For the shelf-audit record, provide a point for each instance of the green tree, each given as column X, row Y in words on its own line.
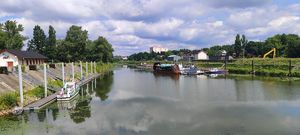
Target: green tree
column 275, row 42
column 50, row 48
column 103, row 50
column 10, row 37
column 244, row 43
column 293, row 46
column 237, row 45
column 254, row 49
column 38, row 41
column 2, row 38
column 76, row 41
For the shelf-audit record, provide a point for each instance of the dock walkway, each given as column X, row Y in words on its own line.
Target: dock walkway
column 50, row 99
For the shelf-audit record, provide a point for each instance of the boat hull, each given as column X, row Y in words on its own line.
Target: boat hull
column 172, row 69
column 65, row 98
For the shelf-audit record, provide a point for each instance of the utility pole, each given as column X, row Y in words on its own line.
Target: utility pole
column 45, row 79
column 21, row 85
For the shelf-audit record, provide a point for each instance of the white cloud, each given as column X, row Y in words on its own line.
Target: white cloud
column 133, row 26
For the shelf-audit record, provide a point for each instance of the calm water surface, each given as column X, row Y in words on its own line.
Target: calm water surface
column 132, row 102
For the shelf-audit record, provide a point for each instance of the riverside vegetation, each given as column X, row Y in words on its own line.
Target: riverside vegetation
column 279, row 67
column 10, row 100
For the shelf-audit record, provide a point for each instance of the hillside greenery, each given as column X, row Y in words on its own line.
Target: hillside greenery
column 287, row 45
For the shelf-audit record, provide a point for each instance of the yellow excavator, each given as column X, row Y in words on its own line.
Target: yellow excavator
column 274, row 53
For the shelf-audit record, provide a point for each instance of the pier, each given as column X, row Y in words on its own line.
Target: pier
column 52, row 98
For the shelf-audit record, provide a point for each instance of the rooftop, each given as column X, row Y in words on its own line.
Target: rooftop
column 25, row 54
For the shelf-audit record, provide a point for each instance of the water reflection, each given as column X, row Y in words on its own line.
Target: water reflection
column 81, row 111
column 143, row 103
column 172, row 76
column 104, row 86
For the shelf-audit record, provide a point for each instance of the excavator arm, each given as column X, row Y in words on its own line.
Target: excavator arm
column 274, row 53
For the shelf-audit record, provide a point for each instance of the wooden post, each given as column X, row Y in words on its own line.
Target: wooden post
column 73, row 76
column 63, row 74
column 95, row 66
column 92, row 85
column 45, row 79
column 225, row 62
column 91, row 67
column 81, row 74
column 86, row 69
column 95, row 83
column 252, row 63
column 290, row 68
column 21, row 85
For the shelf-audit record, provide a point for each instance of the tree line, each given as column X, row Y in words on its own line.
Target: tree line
column 76, row 46
column 287, row 45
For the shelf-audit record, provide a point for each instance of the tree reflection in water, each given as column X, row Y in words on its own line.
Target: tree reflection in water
column 81, row 111
column 104, row 86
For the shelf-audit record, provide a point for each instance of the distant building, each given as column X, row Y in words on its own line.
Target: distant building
column 213, row 58
column 188, row 57
column 221, row 55
column 158, row 50
column 200, row 55
column 124, row 58
column 173, row 58
column 12, row 58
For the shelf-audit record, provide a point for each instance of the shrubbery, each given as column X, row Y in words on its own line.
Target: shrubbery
column 8, row 100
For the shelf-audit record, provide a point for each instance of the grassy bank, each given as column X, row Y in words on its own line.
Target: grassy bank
column 12, row 99
column 279, row 67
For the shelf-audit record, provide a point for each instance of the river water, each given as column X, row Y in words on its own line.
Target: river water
column 133, row 102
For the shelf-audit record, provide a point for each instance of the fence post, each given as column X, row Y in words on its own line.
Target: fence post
column 252, row 63
column 95, row 67
column 21, row 85
column 81, row 75
column 225, row 62
column 63, row 73
column 45, row 79
column 86, row 69
column 290, row 68
column 73, row 75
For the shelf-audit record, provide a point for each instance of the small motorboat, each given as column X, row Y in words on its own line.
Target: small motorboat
column 69, row 91
column 216, row 71
column 190, row 70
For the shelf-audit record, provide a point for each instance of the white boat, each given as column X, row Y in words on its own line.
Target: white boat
column 69, row 91
column 190, row 70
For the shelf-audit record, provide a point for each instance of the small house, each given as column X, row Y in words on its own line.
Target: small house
column 12, row 58
column 201, row 55
column 173, row 58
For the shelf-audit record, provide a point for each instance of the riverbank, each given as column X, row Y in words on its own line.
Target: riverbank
column 9, row 100
column 279, row 67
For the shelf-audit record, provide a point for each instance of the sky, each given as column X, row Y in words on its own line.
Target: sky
column 133, row 26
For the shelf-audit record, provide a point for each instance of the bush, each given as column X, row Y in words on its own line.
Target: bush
column 8, row 100
column 23, row 67
column 37, row 92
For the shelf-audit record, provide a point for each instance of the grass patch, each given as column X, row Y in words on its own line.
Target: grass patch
column 8, row 100
column 55, row 83
column 36, row 92
column 104, row 67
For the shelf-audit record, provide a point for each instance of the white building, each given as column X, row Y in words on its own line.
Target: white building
column 158, row 49
column 12, row 58
column 201, row 56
